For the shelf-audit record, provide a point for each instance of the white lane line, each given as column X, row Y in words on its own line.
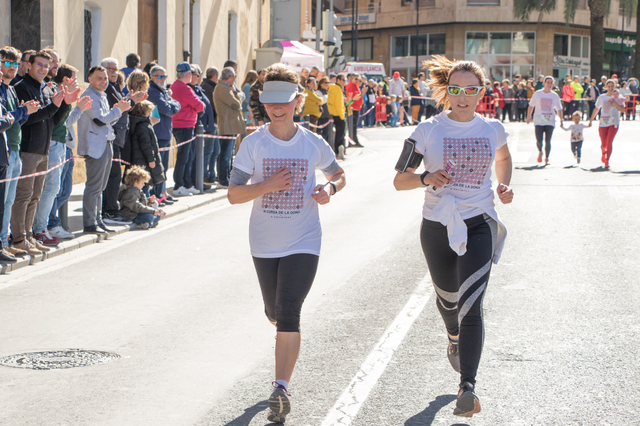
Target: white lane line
column 346, row 408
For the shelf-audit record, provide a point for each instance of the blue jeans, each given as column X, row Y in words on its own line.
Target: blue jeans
column 13, row 170
column 181, row 175
column 369, row 119
column 211, row 153
column 227, row 147
column 146, row 218
column 164, row 158
column 66, row 185
column 57, row 154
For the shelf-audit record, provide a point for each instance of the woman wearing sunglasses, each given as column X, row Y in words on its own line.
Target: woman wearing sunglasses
column 461, row 233
column 280, row 159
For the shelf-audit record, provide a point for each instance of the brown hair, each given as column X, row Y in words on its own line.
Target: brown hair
column 138, row 81
column 10, row 53
column 40, row 54
column 135, row 174
column 119, row 78
column 441, row 69
column 323, row 80
column 250, row 78
column 281, row 72
column 141, row 108
column 65, row 70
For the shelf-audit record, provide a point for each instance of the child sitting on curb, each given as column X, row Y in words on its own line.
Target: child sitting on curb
column 134, row 205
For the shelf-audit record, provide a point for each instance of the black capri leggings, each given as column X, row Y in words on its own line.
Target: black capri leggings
column 460, row 283
column 547, row 131
column 285, row 283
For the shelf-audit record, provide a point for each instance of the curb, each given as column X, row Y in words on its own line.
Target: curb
column 84, row 240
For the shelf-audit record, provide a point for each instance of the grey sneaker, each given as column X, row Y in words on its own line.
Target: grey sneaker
column 279, row 404
column 144, row 225
column 453, row 354
column 468, row 403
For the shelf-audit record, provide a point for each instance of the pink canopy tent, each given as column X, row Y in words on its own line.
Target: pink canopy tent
column 298, row 56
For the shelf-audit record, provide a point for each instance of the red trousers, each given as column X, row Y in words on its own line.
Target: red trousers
column 606, row 138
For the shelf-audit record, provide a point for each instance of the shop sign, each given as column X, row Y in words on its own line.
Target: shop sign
column 565, row 61
column 612, row 41
column 363, row 18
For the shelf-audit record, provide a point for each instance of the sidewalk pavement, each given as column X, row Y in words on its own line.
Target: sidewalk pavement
column 82, row 240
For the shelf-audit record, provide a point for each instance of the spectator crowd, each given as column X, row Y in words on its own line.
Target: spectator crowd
column 128, row 117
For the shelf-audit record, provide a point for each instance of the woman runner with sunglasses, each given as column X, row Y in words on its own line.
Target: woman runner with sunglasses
column 281, row 159
column 461, row 233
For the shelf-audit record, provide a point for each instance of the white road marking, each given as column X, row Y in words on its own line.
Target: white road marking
column 356, row 393
column 65, row 260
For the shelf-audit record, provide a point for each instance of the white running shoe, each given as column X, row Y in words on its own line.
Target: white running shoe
column 61, row 233
column 193, row 190
column 182, row 192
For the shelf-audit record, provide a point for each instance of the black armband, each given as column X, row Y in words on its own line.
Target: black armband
column 409, row 158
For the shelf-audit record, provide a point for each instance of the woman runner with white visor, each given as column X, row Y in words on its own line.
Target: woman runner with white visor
column 461, row 233
column 280, row 159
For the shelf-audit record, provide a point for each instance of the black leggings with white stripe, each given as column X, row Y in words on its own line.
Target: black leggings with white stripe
column 460, row 283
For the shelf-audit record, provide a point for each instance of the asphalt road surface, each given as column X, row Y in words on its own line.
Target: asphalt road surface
column 182, row 308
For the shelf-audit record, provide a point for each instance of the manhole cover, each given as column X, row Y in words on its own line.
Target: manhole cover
column 52, row 360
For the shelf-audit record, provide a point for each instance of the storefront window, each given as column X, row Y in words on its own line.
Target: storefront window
column 400, row 46
column 425, row 44
column 506, row 53
column 524, row 43
column 585, row 47
column 437, row 44
column 477, row 43
column 561, row 45
column 500, row 43
column 419, row 43
column 576, row 46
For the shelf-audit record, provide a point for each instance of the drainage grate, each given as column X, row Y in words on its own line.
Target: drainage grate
column 54, row 360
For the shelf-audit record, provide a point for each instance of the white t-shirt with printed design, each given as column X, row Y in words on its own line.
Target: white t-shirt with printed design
column 546, row 105
column 609, row 115
column 471, row 146
column 284, row 222
column 577, row 132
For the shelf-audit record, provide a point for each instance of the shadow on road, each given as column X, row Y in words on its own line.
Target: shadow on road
column 425, row 418
column 628, row 172
column 249, row 414
column 530, row 168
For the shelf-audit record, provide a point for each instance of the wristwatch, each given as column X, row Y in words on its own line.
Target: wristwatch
column 422, row 176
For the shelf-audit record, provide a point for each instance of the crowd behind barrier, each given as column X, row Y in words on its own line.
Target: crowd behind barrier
column 132, row 117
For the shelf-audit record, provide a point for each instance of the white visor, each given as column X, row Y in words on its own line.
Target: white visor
column 278, row 92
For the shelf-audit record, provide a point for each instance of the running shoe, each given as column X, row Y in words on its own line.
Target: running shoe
column 546, row 161
column 453, row 354
column 540, row 157
column 468, row 403
column 279, row 404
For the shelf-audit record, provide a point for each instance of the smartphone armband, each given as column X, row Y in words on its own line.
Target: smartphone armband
column 409, row 158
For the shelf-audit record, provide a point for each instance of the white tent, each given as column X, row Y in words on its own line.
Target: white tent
column 298, row 56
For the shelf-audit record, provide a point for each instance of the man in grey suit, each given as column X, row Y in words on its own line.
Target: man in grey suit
column 95, row 138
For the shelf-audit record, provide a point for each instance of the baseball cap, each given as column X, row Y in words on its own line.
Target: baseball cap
column 614, row 76
column 184, row 67
column 278, row 92
column 396, row 74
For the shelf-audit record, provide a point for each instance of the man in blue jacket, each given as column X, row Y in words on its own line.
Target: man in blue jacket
column 166, row 108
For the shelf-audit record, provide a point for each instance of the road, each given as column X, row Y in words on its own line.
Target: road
column 182, row 308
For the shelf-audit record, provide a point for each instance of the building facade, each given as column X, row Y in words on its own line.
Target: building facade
column 484, row 31
column 206, row 32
